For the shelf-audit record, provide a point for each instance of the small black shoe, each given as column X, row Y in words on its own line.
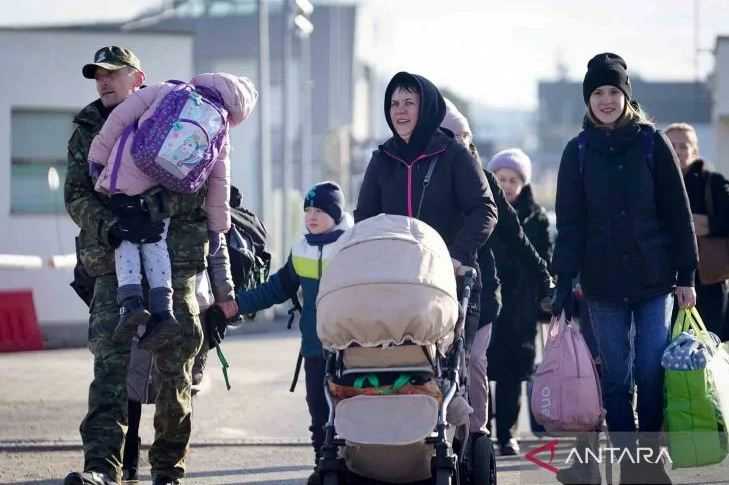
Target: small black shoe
column 643, row 474
column 88, row 478
column 580, row 474
column 130, row 459
column 314, row 478
column 510, row 448
column 165, row 481
column 131, row 314
column 160, row 333
column 130, row 475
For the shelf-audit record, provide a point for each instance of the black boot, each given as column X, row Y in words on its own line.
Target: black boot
column 161, row 332
column 130, row 461
column 314, row 478
column 644, row 473
column 88, row 478
column 131, row 314
column 582, row 473
column 650, row 470
column 160, row 480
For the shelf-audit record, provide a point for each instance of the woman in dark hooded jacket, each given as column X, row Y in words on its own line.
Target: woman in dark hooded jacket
column 624, row 225
column 511, row 354
column 457, row 201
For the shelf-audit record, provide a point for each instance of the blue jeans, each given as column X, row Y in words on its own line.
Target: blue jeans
column 631, row 338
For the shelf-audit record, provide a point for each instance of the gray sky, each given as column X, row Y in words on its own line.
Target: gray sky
column 492, row 51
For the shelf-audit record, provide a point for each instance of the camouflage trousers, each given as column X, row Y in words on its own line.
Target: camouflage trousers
column 104, row 428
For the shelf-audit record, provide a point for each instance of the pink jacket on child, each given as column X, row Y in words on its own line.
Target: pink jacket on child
column 239, row 97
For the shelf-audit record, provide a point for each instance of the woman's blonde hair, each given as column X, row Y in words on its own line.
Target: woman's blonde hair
column 685, row 128
column 632, row 113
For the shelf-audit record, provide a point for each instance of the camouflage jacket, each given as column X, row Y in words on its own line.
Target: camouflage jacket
column 90, row 210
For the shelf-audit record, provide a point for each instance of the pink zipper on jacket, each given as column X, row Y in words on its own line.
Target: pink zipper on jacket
column 409, row 166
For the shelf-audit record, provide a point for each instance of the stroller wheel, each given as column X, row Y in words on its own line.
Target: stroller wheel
column 483, row 462
column 444, row 477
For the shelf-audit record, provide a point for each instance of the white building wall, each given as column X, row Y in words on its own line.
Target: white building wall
column 42, row 70
column 721, row 105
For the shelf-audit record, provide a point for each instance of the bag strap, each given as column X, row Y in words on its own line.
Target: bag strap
column 297, row 370
column 679, row 324
column 581, row 146
column 689, row 319
column 426, row 182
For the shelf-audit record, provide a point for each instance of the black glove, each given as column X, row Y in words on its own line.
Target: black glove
column 546, row 297
column 564, row 298
column 137, row 229
column 215, row 325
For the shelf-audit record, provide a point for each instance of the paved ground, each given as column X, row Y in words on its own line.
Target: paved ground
column 255, row 433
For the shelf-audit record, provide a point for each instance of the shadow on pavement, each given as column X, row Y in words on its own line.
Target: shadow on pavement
column 247, row 471
column 37, row 482
column 275, row 482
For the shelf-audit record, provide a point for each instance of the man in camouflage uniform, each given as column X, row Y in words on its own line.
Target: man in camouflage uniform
column 118, row 74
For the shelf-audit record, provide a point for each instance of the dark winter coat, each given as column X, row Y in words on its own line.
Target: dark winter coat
column 623, row 224
column 509, row 233
column 711, row 299
column 457, row 203
column 511, row 352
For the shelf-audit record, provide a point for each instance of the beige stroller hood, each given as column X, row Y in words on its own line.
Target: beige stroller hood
column 390, row 281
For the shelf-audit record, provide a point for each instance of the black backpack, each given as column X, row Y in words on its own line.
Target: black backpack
column 250, row 262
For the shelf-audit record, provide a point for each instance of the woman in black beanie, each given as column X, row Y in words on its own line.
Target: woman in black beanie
column 624, row 226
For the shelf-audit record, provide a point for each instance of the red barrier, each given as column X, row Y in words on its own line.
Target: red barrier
column 18, row 323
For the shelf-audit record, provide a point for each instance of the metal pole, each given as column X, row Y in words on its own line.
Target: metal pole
column 264, row 113
column 306, row 114
column 286, row 171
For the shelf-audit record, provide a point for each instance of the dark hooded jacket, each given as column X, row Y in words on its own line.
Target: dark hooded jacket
column 457, row 203
column 509, row 233
column 511, row 353
column 623, row 223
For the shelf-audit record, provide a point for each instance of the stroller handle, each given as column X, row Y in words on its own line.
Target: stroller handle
column 469, row 279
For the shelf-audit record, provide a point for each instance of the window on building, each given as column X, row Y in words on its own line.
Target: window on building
column 38, row 147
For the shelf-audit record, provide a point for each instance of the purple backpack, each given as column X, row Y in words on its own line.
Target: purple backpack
column 179, row 144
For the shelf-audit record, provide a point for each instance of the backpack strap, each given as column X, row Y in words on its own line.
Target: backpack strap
column 295, row 307
column 581, row 147
column 648, row 143
column 426, row 182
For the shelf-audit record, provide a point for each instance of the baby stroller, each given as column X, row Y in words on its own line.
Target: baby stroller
column 396, row 380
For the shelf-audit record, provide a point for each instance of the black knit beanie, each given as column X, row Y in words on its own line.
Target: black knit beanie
column 328, row 197
column 606, row 69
